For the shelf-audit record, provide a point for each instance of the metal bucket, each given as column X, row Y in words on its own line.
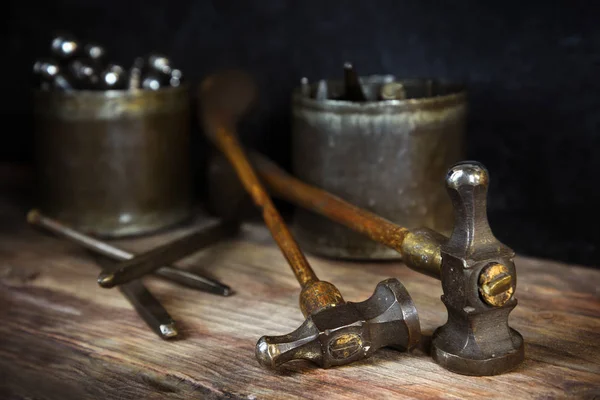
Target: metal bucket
column 389, row 157
column 114, row 163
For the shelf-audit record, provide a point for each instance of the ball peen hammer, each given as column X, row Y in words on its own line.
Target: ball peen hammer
column 335, row 332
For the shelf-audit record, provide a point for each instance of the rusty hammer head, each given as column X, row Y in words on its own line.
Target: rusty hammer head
column 478, row 279
column 335, row 332
column 348, row 332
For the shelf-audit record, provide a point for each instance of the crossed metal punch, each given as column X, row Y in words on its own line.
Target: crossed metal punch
column 124, row 269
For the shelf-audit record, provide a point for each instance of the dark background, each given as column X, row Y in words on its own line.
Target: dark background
column 531, row 69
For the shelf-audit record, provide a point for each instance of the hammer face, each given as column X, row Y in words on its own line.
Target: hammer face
column 348, row 332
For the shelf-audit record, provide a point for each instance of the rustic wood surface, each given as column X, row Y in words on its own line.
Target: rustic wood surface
column 63, row 337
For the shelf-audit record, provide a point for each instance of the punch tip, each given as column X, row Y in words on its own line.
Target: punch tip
column 106, row 280
column 168, row 331
column 219, row 288
column 33, row 216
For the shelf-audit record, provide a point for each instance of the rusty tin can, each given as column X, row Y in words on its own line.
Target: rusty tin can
column 114, row 163
column 387, row 156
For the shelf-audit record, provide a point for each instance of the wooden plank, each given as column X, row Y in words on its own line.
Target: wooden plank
column 63, row 337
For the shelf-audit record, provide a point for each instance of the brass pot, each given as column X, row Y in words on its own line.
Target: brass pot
column 114, row 163
column 387, row 156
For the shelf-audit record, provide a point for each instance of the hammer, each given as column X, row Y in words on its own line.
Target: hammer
column 335, row 332
column 477, row 271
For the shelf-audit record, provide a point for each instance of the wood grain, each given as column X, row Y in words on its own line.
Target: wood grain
column 63, row 337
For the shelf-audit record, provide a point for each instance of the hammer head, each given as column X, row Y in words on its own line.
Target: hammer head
column 479, row 279
column 348, row 332
column 229, row 93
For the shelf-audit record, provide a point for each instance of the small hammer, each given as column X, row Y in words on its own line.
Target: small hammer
column 335, row 332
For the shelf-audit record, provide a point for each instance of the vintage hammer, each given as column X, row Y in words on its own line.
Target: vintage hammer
column 335, row 332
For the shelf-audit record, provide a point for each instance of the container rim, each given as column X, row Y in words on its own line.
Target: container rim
column 107, row 94
column 457, row 95
column 110, row 104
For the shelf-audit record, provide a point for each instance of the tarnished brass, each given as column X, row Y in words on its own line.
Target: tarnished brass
column 335, row 332
column 114, row 163
column 495, row 285
column 392, row 91
column 477, row 271
column 420, row 251
column 317, row 296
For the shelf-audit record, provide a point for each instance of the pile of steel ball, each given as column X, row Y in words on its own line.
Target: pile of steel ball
column 77, row 66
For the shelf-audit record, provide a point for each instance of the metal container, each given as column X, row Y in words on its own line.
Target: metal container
column 114, row 163
column 387, row 156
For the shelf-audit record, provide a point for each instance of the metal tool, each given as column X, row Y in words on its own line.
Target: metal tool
column 304, row 87
column 352, row 88
column 387, row 157
column 160, row 63
column 84, row 73
column 152, row 82
column 322, row 92
column 113, row 77
column 135, row 74
column 392, row 91
column 173, row 274
column 46, row 68
column 50, row 71
column 95, row 52
column 61, row 83
column 89, row 69
column 145, row 304
column 64, row 46
column 175, row 78
column 477, row 271
column 335, row 332
column 160, row 72
column 150, row 261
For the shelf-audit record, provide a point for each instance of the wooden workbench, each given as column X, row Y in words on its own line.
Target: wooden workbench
column 63, row 337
